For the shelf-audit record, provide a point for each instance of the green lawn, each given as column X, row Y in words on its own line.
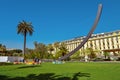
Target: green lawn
column 67, row 71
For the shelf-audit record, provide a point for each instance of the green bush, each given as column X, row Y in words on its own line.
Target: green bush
column 4, row 63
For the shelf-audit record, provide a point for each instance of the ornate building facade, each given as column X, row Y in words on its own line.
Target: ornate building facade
column 109, row 41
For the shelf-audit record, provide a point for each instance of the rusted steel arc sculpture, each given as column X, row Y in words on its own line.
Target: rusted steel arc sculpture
column 88, row 36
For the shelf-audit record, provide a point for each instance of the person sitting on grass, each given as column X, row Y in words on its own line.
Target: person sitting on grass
column 37, row 61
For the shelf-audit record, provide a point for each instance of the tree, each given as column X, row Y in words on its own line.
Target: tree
column 2, row 49
column 24, row 28
column 76, row 55
column 90, row 52
column 63, row 49
column 14, row 52
column 106, row 55
column 41, row 49
column 31, row 54
column 50, row 48
column 56, row 45
column 97, row 52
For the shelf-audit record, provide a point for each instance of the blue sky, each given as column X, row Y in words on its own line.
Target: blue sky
column 55, row 20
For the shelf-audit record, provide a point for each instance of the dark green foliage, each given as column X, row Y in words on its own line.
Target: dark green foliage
column 63, row 49
column 4, row 63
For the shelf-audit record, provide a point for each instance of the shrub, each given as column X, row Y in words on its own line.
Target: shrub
column 4, row 63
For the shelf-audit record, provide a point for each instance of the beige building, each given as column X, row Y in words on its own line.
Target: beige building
column 109, row 41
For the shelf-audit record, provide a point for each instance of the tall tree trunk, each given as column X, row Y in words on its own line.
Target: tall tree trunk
column 24, row 45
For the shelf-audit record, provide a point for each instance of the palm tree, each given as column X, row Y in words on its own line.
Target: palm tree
column 90, row 53
column 41, row 50
column 3, row 49
column 50, row 48
column 24, row 28
column 56, row 45
column 63, row 49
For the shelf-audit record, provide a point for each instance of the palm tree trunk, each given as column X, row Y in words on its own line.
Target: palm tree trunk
column 24, row 45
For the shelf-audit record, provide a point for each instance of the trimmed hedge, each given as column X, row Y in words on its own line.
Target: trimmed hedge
column 4, row 63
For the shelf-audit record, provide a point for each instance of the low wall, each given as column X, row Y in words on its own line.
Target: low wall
column 3, row 58
column 10, row 58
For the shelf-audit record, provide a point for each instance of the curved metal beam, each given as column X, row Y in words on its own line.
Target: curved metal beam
column 87, row 37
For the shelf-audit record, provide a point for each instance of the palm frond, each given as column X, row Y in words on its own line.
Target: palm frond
column 25, row 28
